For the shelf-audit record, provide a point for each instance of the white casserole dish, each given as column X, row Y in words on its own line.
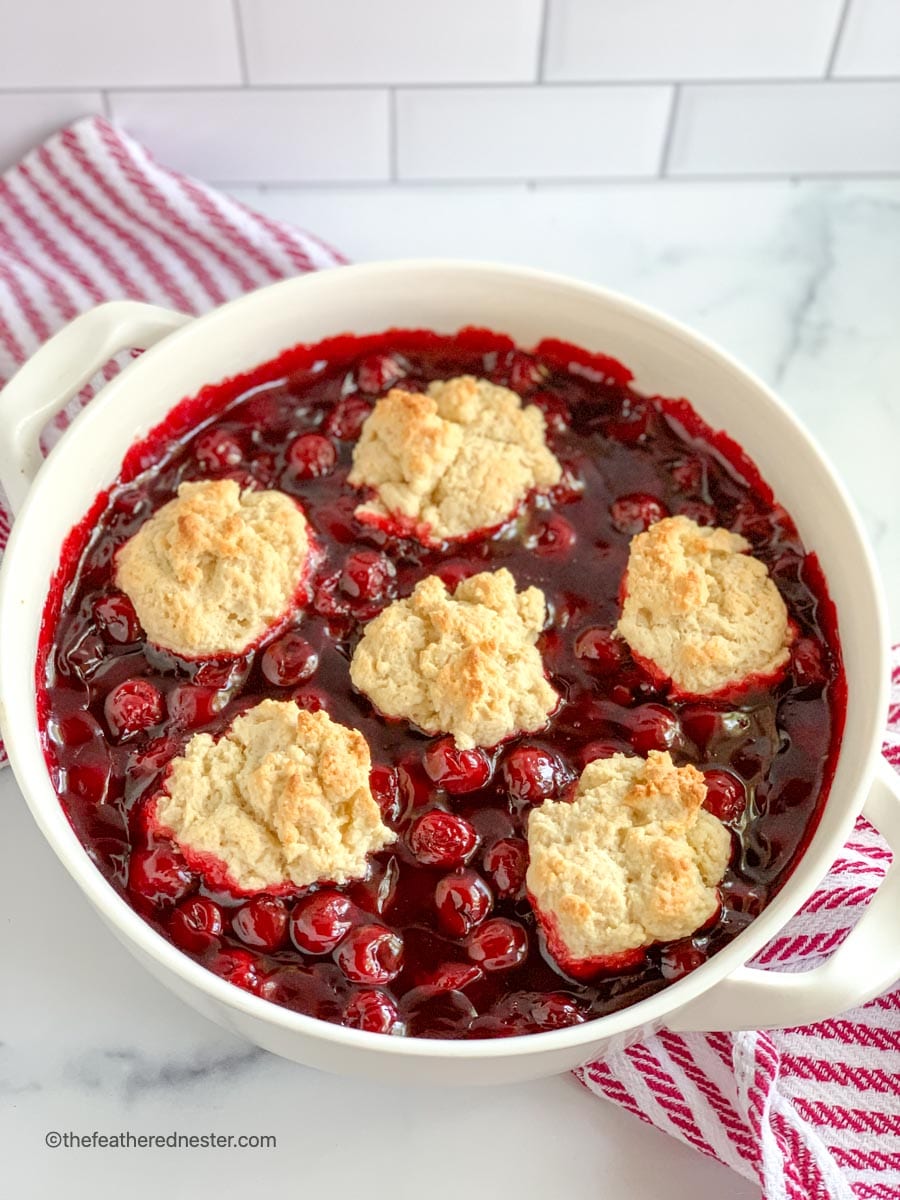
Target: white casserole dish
column 50, row 497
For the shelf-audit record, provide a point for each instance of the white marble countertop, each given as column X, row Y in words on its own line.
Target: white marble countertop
column 800, row 281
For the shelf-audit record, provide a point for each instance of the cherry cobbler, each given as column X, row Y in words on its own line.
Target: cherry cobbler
column 435, row 688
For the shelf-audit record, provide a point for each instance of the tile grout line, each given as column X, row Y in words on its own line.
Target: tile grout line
column 838, row 37
column 106, row 103
column 669, row 136
column 541, row 64
column 539, row 183
column 150, row 89
column 241, row 44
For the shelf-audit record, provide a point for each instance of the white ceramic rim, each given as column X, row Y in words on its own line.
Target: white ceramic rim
column 652, row 1010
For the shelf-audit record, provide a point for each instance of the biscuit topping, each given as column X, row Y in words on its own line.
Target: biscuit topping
column 281, row 798
column 465, row 664
column 213, row 569
column 633, row 859
column 457, row 460
column 700, row 609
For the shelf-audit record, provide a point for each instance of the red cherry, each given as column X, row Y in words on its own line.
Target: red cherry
column 557, row 416
column 553, row 537
column 196, row 925
column 567, row 607
column 385, row 788
column 697, row 511
column 142, row 822
column 262, row 923
column 456, row 771
column 370, row 954
column 506, row 862
column 310, row 699
column 601, row 651
column 687, row 474
column 83, row 655
column 532, row 1012
column 289, row 660
column 337, row 520
column 652, row 727
column 346, row 419
column 117, row 619
column 532, row 774
column 311, row 455
column 555, row 1010
column 636, row 512
column 462, row 901
column 525, row 374
column 700, row 722
column 453, row 977
column 320, row 921
column 190, row 706
column 131, row 707
column 453, row 572
column 159, row 877
column 413, row 784
column 371, row 1010
column 435, row 1013
column 245, row 481
column 704, row 722
column 328, row 600
column 239, row 967
column 221, row 673
column 807, row 664
column 442, row 839
column 264, row 467
column 216, row 450
column 725, row 795
column 150, row 758
column 88, row 769
column 633, row 422
column 602, row 748
column 680, row 958
column 498, row 944
column 379, row 372
column 368, row 575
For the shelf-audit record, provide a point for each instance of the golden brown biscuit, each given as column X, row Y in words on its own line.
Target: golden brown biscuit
column 281, row 798
column 455, row 461
column 700, row 610
column 213, row 569
column 633, row 859
column 465, row 664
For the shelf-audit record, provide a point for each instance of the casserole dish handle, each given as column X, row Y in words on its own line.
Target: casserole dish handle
column 865, row 964
column 57, row 372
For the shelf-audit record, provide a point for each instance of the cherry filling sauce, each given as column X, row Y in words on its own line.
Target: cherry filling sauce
column 439, row 940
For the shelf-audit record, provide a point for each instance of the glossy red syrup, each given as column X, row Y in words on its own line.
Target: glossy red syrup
column 439, row 940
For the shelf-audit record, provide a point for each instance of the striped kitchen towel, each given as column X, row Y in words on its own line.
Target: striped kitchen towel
column 89, row 216
column 814, row 1113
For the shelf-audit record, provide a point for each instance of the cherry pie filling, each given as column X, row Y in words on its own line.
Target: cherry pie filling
column 439, row 940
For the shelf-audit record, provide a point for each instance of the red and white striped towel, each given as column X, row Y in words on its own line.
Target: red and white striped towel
column 89, row 216
column 812, row 1113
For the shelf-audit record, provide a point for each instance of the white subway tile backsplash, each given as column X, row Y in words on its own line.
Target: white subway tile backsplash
column 689, row 39
column 334, row 91
column 246, row 136
column 104, row 43
column 530, row 133
column 392, row 41
column 787, row 129
column 26, row 118
column 870, row 42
